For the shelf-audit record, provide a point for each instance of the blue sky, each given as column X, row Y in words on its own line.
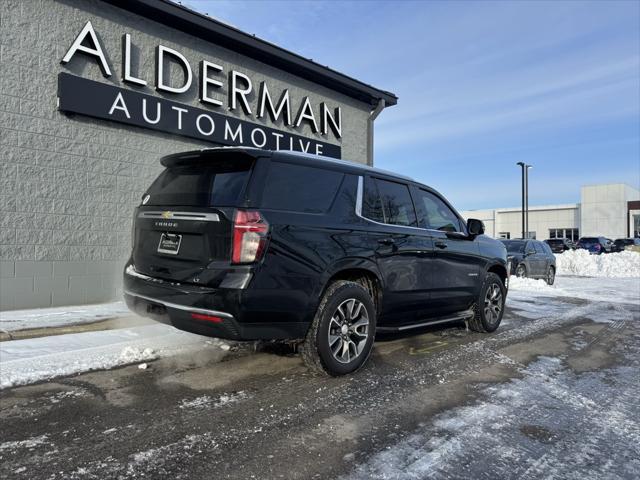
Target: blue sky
column 481, row 86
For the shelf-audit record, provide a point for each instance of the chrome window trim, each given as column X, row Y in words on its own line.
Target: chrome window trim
column 178, row 306
column 359, row 196
column 194, row 216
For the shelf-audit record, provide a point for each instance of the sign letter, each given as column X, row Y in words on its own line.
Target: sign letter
column 95, row 51
column 240, row 93
column 334, row 121
column 284, row 105
column 160, row 61
column 205, row 81
column 144, row 112
column 306, row 113
column 126, row 62
column 118, row 104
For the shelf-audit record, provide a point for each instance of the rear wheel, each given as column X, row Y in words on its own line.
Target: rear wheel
column 551, row 276
column 341, row 335
column 489, row 307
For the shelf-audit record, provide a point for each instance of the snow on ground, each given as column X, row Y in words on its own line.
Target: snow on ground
column 36, row 359
column 615, row 290
column 549, row 423
column 13, row 320
column 612, row 265
column 205, row 401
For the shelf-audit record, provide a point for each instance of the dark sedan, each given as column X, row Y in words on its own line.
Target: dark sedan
column 559, row 245
column 531, row 258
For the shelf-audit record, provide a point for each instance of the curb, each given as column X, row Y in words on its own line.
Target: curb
column 105, row 324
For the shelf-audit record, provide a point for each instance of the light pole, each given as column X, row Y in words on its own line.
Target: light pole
column 523, row 166
column 526, row 197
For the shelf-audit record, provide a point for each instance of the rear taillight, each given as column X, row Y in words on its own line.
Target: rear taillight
column 206, row 318
column 249, row 236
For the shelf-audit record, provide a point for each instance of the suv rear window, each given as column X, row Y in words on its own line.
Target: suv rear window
column 218, row 183
column 299, row 188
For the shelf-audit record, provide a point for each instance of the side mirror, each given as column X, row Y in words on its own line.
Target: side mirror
column 475, row 227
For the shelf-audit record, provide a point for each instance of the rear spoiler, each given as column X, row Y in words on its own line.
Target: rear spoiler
column 208, row 155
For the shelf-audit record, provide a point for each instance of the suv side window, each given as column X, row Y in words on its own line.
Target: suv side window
column 438, row 216
column 546, row 248
column 299, row 188
column 391, row 199
column 529, row 249
column 538, row 247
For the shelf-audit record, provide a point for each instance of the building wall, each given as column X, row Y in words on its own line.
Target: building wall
column 604, row 209
column 68, row 185
column 541, row 220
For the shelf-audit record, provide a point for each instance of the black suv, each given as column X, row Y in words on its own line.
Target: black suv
column 621, row 244
column 531, row 258
column 247, row 244
column 560, row 245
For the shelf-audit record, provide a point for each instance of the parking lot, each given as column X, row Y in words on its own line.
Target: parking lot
column 552, row 394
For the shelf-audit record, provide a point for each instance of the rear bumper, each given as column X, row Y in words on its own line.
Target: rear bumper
column 206, row 311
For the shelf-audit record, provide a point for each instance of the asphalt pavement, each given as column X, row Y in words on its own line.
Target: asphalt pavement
column 550, row 397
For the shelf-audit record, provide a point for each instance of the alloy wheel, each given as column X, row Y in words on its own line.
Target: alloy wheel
column 551, row 277
column 348, row 330
column 520, row 271
column 493, row 303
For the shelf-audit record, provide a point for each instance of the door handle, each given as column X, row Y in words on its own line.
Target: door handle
column 441, row 244
column 386, row 241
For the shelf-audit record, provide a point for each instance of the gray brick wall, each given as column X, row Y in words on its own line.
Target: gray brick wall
column 68, row 186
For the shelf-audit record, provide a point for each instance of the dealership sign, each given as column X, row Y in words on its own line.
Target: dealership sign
column 125, row 105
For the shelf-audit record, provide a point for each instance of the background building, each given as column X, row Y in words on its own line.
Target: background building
column 611, row 210
column 93, row 92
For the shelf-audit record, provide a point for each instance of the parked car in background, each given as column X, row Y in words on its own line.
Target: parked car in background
column 596, row 245
column 622, row 243
column 531, row 258
column 248, row 244
column 559, row 245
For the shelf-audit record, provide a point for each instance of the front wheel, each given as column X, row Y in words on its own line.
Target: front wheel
column 551, row 276
column 489, row 307
column 341, row 335
column 521, row 270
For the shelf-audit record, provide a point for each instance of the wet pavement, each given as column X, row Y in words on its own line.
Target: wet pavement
column 553, row 393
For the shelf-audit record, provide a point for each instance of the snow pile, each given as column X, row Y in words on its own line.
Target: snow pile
column 13, row 320
column 530, row 285
column 581, row 263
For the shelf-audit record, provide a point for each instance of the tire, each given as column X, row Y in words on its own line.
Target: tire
column 551, row 276
column 492, row 290
column 521, row 270
column 344, row 305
